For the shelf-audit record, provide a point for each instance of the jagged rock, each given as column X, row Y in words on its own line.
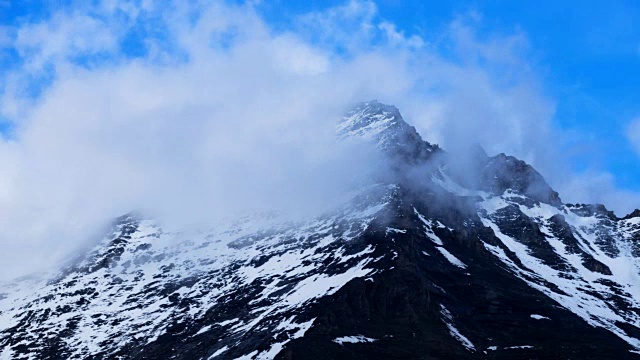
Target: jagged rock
column 426, row 264
column 634, row 214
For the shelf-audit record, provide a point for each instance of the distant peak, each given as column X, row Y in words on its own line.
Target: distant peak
column 477, row 150
column 375, row 104
column 504, row 172
column 370, row 120
column 634, row 214
column 376, row 107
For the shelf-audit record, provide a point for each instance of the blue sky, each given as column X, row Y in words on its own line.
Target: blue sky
column 568, row 74
column 588, row 57
column 191, row 109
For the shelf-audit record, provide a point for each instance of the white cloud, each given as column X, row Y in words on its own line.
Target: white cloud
column 225, row 113
column 54, row 41
column 398, row 38
column 598, row 187
column 633, row 134
column 247, row 125
column 497, row 49
column 291, row 54
column 351, row 26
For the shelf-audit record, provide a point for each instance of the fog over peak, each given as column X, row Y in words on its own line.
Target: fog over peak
column 225, row 113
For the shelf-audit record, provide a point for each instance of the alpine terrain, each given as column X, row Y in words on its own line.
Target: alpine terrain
column 439, row 259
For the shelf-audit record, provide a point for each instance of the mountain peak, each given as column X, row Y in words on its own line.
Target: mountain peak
column 634, row 214
column 504, row 172
column 369, row 120
column 383, row 125
column 446, row 256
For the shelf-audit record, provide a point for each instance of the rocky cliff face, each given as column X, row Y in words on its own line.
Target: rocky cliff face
column 429, row 263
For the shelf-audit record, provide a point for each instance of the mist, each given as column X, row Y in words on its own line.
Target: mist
column 223, row 113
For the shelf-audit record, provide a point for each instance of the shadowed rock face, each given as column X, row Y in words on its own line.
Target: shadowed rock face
column 427, row 264
column 503, row 173
column 634, row 214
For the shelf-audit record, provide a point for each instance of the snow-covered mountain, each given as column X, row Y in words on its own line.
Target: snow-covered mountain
column 435, row 261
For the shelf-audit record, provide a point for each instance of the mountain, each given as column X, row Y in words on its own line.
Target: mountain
column 436, row 260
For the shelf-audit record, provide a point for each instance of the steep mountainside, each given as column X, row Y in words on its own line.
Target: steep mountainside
column 433, row 262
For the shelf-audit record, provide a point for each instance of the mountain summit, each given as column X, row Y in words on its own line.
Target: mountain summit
column 383, row 125
column 443, row 259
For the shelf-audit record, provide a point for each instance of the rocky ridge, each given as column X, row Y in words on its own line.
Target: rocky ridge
column 429, row 263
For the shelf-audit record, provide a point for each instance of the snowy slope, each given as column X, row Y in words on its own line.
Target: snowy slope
column 143, row 279
column 426, row 264
column 593, row 272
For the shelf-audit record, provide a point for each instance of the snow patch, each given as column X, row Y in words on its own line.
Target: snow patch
column 395, row 231
column 463, row 340
column 219, row 352
column 539, row 317
column 453, row 331
column 249, row 356
column 353, row 340
column 203, row 330
column 444, row 181
column 428, row 225
column 7, row 354
column 580, row 298
column 452, row 259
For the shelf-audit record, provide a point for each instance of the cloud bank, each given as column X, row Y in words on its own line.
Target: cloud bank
column 633, row 134
column 195, row 111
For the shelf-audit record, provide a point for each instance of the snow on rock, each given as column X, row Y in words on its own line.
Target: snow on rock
column 443, row 180
column 218, row 352
column 382, row 125
column 452, row 259
column 596, row 260
column 539, row 317
column 353, row 339
column 130, row 287
column 395, row 231
column 453, row 331
column 428, row 225
column 7, row 354
column 259, row 281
